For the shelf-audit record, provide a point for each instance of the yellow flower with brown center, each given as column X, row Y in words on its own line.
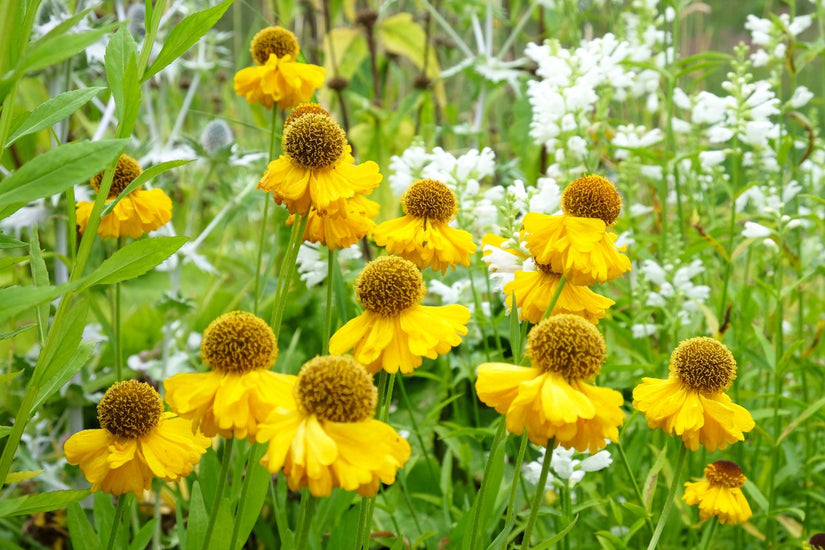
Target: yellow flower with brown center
column 324, row 436
column 577, row 243
column 239, row 391
column 816, row 542
column 278, row 77
column 720, row 493
column 137, row 442
column 343, row 228
column 316, row 168
column 692, row 402
column 552, row 398
column 139, row 212
column 535, row 284
column 423, row 234
column 395, row 331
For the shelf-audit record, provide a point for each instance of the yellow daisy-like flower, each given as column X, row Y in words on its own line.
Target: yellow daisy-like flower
column 343, row 228
column 396, row 331
column 325, row 436
column 576, row 243
column 137, row 442
column 720, row 493
column 692, row 402
column 139, row 212
column 552, row 399
column 240, row 390
column 423, row 235
column 278, row 77
column 534, row 285
column 317, row 168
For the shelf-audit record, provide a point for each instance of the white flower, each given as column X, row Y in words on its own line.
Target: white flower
column 568, row 470
column 801, row 96
column 754, row 230
column 643, row 330
column 709, row 159
column 546, row 199
column 449, row 294
column 312, row 268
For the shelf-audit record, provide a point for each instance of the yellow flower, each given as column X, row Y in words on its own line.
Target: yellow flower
column 343, row 228
column 576, row 243
column 240, row 390
column 137, row 213
column 423, row 235
column 325, row 435
column 816, row 542
column 720, row 493
column 317, row 168
column 278, row 77
column 137, row 441
column 396, row 331
column 552, row 399
column 692, row 402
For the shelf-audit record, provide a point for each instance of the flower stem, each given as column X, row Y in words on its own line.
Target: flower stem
column 328, row 313
column 636, row 489
column 482, row 491
column 299, row 225
column 118, row 340
column 121, row 506
column 711, row 528
column 308, row 505
column 222, row 481
column 555, row 298
column 671, row 494
column 510, row 518
column 250, row 461
column 257, row 295
column 540, row 489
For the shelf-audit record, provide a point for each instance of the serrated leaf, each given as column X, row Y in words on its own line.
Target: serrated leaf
column 51, row 50
column 80, row 530
column 10, row 242
column 184, row 35
column 144, row 176
column 52, row 111
column 134, row 260
column 44, row 502
column 120, row 61
column 57, row 170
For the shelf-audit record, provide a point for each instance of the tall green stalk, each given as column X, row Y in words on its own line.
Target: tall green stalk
column 539, row 496
column 223, row 480
column 671, row 494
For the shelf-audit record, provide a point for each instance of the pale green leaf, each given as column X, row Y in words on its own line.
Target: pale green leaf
column 121, row 74
column 81, row 531
column 4, row 431
column 62, row 345
column 44, row 502
column 10, row 242
column 52, row 111
column 17, row 477
column 134, row 260
column 144, row 176
column 51, row 50
column 184, row 35
column 17, row 299
column 60, row 375
column 40, row 276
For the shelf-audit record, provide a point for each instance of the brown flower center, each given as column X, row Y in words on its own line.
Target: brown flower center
column 592, row 197
column 238, row 342
column 724, row 473
column 336, row 388
column 125, row 173
column 704, row 364
column 305, row 109
column 429, row 199
column 130, row 409
column 388, row 285
column 277, row 40
column 314, row 140
column 568, row 345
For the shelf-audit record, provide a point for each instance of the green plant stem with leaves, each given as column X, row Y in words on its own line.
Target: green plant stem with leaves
column 328, row 310
column 119, row 509
column 539, row 496
column 671, row 495
column 273, row 151
column 223, row 480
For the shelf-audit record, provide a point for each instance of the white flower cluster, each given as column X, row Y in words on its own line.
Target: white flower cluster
column 569, row 471
column 465, row 171
column 771, row 35
column 312, row 261
column 672, row 288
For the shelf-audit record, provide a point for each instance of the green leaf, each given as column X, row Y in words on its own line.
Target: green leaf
column 80, row 530
column 558, row 536
column 121, row 74
column 40, row 276
column 134, row 260
column 61, row 346
column 51, row 50
column 57, row 170
column 9, row 261
column 15, row 332
column 10, row 242
column 64, row 373
column 44, row 502
column 196, row 526
column 184, row 35
column 144, row 536
column 4, row 431
column 5, row 378
column 17, row 477
column 52, row 111
column 144, row 176
column 17, row 299
column 801, row 418
column 249, row 509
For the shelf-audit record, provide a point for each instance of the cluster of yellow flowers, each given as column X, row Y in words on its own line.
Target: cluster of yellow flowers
column 319, row 425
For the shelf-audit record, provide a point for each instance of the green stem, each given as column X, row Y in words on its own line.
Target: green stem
column 708, row 536
column 328, row 312
column 121, row 506
column 540, row 489
column 250, row 460
column 118, row 342
column 149, row 40
column 308, row 505
column 482, row 491
column 566, row 508
column 636, row 488
column 299, row 225
column 510, row 518
column 671, row 494
column 416, row 429
column 555, row 298
column 257, row 295
column 222, row 481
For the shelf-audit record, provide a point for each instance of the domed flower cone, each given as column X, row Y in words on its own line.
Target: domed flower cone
column 720, row 493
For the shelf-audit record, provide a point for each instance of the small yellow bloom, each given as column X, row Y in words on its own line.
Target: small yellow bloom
column 278, row 77
column 552, row 399
column 720, row 493
column 343, row 228
column 325, row 435
column 139, row 212
column 137, row 442
column 692, row 402
column 423, row 235
column 396, row 331
column 317, row 168
column 240, row 390
column 576, row 243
